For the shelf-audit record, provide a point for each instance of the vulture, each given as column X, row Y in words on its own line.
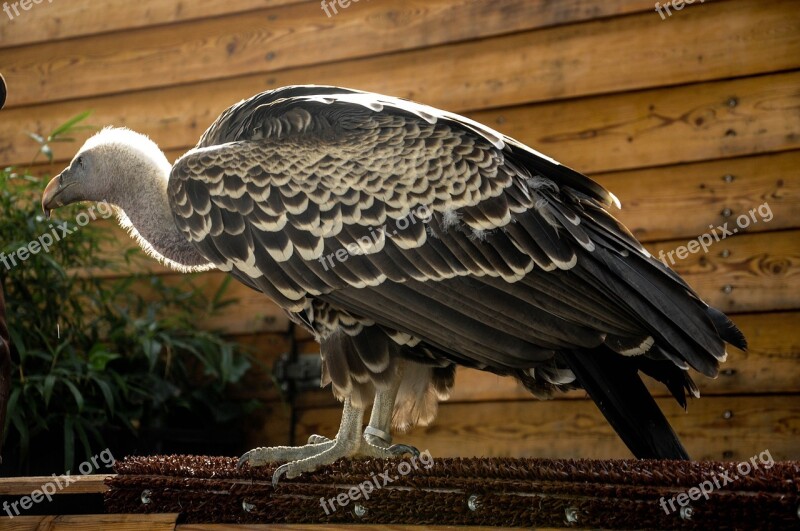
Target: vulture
column 409, row 240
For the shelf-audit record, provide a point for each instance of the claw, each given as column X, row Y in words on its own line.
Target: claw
column 317, row 439
column 280, row 471
column 400, row 449
column 242, row 460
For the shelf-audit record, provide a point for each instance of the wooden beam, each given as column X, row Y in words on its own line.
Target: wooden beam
column 689, row 123
column 743, row 273
column 94, row 522
column 721, row 428
column 701, row 192
column 78, row 484
column 600, row 134
column 254, row 312
column 65, row 20
column 275, row 39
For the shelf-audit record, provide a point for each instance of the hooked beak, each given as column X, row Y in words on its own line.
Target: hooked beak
column 50, row 198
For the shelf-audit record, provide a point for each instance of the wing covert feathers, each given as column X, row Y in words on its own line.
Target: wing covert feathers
column 444, row 238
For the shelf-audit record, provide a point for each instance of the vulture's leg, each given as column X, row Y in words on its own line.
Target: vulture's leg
column 378, row 435
column 345, row 444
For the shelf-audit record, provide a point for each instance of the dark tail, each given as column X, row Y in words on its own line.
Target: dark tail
column 613, row 382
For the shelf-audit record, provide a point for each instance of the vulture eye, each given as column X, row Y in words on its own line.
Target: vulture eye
column 80, row 161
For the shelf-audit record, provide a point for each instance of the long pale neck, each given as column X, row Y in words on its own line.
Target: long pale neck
column 146, row 212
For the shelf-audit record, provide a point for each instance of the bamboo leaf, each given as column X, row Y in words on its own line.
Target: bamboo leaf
column 75, row 393
column 70, row 124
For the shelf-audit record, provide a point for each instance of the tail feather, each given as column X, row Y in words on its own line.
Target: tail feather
column 726, row 329
column 618, row 390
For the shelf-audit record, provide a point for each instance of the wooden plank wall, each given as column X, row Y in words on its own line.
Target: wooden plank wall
column 692, row 121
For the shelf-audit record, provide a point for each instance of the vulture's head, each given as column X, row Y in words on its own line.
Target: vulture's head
column 105, row 168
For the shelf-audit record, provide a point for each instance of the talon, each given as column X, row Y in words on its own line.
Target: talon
column 280, row 471
column 317, row 439
column 242, row 460
column 400, row 449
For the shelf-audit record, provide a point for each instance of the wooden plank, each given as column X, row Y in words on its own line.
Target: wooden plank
column 743, row 273
column 701, row 192
column 625, row 53
column 270, row 425
column 254, row 312
column 93, row 522
column 721, row 428
column 78, row 484
column 770, row 366
column 270, row 40
column 599, row 134
column 657, row 127
column 64, row 20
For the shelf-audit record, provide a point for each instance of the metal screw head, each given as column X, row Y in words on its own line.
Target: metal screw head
column 727, row 288
column 248, row 507
column 728, row 178
column 726, row 212
column 725, row 253
column 686, row 513
column 473, row 502
column 733, row 102
column 145, row 497
column 571, row 513
column 359, row 510
column 727, row 414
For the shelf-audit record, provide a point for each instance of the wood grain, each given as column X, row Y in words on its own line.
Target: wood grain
column 658, row 127
column 64, row 20
column 601, row 134
column 742, row 273
column 700, row 193
column 79, row 484
column 626, row 53
column 93, row 522
column 270, row 40
column 720, row 428
column 253, row 312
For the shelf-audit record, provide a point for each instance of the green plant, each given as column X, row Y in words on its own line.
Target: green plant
column 94, row 356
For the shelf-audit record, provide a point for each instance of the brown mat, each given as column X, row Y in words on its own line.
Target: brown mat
column 620, row 494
